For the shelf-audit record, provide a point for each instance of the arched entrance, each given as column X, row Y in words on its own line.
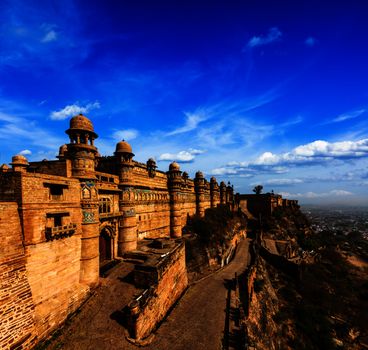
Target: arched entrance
column 106, row 244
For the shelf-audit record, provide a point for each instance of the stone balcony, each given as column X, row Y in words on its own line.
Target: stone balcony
column 58, row 232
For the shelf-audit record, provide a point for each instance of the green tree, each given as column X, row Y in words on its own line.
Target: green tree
column 258, row 189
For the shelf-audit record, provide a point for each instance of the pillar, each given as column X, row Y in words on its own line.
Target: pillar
column 199, row 184
column 175, row 182
column 127, row 235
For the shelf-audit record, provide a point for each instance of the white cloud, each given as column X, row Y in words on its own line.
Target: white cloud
column 195, row 151
column 127, row 134
column 191, row 123
column 310, row 41
column 347, row 116
column 49, row 36
column 314, row 153
column 15, row 130
column 181, row 157
column 274, row 34
column 25, row 152
column 311, row 195
column 282, row 182
column 317, row 152
column 72, row 110
column 224, row 171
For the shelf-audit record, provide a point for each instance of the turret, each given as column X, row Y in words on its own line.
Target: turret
column 222, row 192
column 81, row 149
column 19, row 163
column 175, row 181
column 151, row 167
column 63, row 150
column 127, row 238
column 230, row 195
column 200, row 186
column 81, row 152
column 214, row 192
column 124, row 155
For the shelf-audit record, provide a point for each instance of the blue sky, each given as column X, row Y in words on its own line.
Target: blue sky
column 255, row 92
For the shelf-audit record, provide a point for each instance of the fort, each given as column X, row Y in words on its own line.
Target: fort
column 62, row 220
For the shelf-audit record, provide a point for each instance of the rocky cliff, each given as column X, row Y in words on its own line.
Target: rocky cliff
column 211, row 240
column 322, row 306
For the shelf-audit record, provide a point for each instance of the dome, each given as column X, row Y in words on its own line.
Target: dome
column 222, row 184
column 81, row 123
column 63, row 149
column 199, row 175
column 19, row 160
column 213, row 179
column 123, row 147
column 4, row 167
column 174, row 166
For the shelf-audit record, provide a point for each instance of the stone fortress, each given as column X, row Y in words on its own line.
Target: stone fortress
column 61, row 220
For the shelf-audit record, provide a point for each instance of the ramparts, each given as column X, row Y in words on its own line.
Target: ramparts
column 164, row 277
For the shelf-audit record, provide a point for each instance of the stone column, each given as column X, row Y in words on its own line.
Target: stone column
column 200, row 191
column 175, row 182
column 214, row 192
column 82, row 157
column 90, row 262
column 127, row 236
column 230, row 195
column 222, row 192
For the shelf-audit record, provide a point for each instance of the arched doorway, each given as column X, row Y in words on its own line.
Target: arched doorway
column 105, row 244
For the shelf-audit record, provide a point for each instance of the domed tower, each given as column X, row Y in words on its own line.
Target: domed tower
column 81, row 149
column 82, row 154
column 214, row 192
column 175, row 181
column 222, row 192
column 229, row 194
column 63, row 150
column 124, row 155
column 19, row 163
column 151, row 167
column 199, row 185
column 127, row 238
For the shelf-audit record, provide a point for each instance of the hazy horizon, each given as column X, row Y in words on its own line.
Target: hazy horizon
column 271, row 93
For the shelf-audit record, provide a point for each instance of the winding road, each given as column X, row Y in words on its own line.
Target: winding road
column 197, row 322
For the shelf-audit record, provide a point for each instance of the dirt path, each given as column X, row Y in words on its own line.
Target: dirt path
column 197, row 322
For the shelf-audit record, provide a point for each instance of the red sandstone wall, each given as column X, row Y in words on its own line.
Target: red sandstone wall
column 51, row 167
column 152, row 205
column 142, row 178
column 189, row 202
column 17, row 327
column 171, row 285
column 153, row 218
column 53, row 267
column 37, row 203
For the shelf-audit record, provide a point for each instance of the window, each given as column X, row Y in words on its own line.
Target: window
column 56, row 219
column 105, row 205
column 56, row 191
